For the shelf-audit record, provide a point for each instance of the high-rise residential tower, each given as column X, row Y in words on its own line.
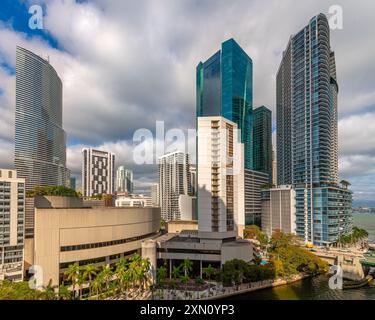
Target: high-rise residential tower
column 262, row 144
column 98, row 173
column 124, row 180
column 174, row 180
column 40, row 141
column 12, row 221
column 225, row 88
column 306, row 102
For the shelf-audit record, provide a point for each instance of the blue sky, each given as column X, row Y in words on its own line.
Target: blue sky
column 127, row 64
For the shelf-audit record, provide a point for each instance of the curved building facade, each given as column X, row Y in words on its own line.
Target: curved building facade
column 40, row 141
column 98, row 235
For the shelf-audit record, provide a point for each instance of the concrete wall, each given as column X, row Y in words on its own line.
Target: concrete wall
column 71, row 227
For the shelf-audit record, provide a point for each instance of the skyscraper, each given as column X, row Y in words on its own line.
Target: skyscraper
column 12, row 231
column 262, row 144
column 98, row 173
column 155, row 194
column 40, row 141
column 306, row 101
column 225, row 88
column 124, row 180
column 174, row 180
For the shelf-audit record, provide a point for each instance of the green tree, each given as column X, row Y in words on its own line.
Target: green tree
column 64, row 293
column 161, row 275
column 49, row 292
column 209, row 271
column 72, row 274
column 97, row 285
column 89, row 272
column 176, row 272
column 187, row 266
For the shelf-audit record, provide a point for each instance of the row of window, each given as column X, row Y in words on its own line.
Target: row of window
column 105, row 243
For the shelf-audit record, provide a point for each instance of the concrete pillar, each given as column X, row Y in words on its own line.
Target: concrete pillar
column 148, row 248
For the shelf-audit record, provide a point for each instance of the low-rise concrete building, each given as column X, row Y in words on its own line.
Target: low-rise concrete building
column 100, row 235
column 279, row 210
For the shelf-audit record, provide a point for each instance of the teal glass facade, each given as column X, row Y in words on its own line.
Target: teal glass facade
column 262, row 144
column 225, row 88
column 307, row 134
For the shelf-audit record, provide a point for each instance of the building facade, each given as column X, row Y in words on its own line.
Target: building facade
column 124, row 180
column 279, row 210
column 98, row 176
column 225, row 88
column 307, row 132
column 254, row 183
column 133, row 200
column 174, row 180
column 12, row 225
column 40, row 141
column 155, row 194
column 98, row 236
column 220, row 177
column 262, row 145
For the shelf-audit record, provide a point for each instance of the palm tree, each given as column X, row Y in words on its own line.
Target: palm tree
column 72, row 275
column 187, row 266
column 176, row 272
column 209, row 271
column 161, row 275
column 80, row 282
column 89, row 271
column 120, row 272
column 106, row 275
column 97, row 284
column 49, row 291
column 64, row 293
column 185, row 279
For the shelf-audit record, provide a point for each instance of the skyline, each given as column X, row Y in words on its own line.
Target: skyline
column 83, row 65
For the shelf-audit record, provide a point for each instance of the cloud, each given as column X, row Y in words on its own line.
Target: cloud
column 127, row 64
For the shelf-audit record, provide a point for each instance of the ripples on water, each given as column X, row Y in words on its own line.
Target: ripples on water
column 310, row 289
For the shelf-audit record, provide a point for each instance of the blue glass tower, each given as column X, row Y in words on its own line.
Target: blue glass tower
column 307, row 148
column 225, row 88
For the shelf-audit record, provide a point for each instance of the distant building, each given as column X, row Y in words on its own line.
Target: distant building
column 262, row 145
column 193, row 179
column 187, row 206
column 73, row 183
column 133, row 200
column 40, row 140
column 12, row 217
column 124, row 180
column 174, row 180
column 279, row 210
column 98, row 175
column 155, row 195
column 254, row 182
column 274, row 169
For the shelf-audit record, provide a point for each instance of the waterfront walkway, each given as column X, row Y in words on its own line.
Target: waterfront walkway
column 217, row 291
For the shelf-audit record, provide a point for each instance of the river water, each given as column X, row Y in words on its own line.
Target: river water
column 317, row 288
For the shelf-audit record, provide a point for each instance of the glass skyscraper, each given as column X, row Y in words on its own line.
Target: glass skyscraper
column 262, row 144
column 307, row 134
column 40, row 141
column 225, row 88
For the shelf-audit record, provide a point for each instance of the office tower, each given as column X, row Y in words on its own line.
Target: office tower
column 124, row 180
column 307, row 148
column 262, row 144
column 220, row 177
column 254, row 184
column 225, row 88
column 73, row 183
column 155, row 195
column 274, row 168
column 279, row 210
column 174, row 179
column 98, row 173
column 193, row 179
column 12, row 217
column 40, row 141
